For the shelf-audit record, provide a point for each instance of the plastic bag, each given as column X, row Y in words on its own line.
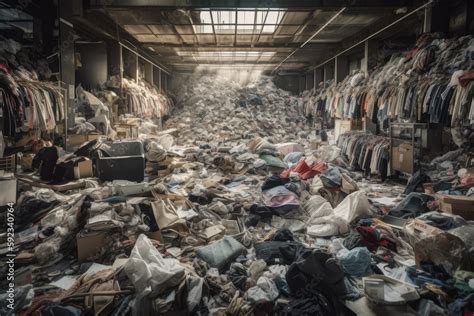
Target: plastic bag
column 265, row 291
column 149, row 271
column 354, row 205
column 256, row 268
column 195, row 292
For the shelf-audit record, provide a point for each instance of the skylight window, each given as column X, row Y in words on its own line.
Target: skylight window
column 245, row 17
column 205, row 17
column 227, row 54
column 244, row 21
column 204, row 29
column 274, row 17
column 223, row 17
column 269, row 28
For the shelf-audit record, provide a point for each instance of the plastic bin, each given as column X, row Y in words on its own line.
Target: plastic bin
column 120, row 161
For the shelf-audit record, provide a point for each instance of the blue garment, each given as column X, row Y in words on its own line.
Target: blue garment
column 356, row 262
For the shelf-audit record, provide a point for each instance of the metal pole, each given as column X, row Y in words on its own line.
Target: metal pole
column 314, row 79
column 159, row 80
column 427, row 20
column 311, row 37
column 365, row 64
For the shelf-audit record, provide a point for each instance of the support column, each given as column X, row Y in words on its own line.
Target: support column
column 438, row 17
column 156, row 77
column 130, row 63
column 160, row 85
column 309, row 81
column 314, row 79
column 341, row 68
column 66, row 59
column 43, row 26
column 427, row 20
column 115, row 62
column 318, row 76
column 328, row 72
column 149, row 72
column 301, row 83
column 365, row 61
column 137, row 68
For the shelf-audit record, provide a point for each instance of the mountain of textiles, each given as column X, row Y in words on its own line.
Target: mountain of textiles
column 429, row 83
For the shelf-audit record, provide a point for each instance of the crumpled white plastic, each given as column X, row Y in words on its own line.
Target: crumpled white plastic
column 354, row 205
column 149, row 271
column 337, row 221
column 265, row 291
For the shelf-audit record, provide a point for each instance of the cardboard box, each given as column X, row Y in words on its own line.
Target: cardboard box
column 126, row 130
column 402, row 158
column 8, row 193
column 156, row 236
column 341, row 127
column 26, row 162
column 83, row 169
column 79, row 139
column 89, row 244
column 457, row 205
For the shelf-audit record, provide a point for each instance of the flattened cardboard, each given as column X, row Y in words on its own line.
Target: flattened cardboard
column 89, row 244
column 402, row 158
column 83, row 169
column 457, row 205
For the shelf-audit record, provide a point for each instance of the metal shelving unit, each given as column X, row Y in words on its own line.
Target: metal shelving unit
column 407, row 143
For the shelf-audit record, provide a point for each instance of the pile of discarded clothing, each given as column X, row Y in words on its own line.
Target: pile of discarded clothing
column 230, row 211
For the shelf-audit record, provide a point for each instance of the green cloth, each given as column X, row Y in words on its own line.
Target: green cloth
column 273, row 161
column 460, row 282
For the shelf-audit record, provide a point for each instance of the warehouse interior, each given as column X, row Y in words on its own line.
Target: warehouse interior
column 237, row 157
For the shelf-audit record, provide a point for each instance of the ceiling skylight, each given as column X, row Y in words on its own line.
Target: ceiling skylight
column 242, row 21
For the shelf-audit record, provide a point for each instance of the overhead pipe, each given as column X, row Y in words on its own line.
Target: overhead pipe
column 374, row 34
column 311, row 37
column 142, row 57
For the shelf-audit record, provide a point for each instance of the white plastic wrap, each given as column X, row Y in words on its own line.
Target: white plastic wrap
column 195, row 292
column 317, row 206
column 354, row 205
column 325, row 222
column 149, row 271
column 265, row 291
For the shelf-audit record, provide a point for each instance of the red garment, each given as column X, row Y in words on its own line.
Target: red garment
column 305, row 171
column 5, row 68
column 301, row 167
column 372, row 239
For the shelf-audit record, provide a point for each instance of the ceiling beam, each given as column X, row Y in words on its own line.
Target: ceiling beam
column 263, row 64
column 213, row 27
column 252, row 3
column 302, row 26
column 262, row 47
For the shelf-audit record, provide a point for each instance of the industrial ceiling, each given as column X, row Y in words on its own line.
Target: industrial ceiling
column 288, row 35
